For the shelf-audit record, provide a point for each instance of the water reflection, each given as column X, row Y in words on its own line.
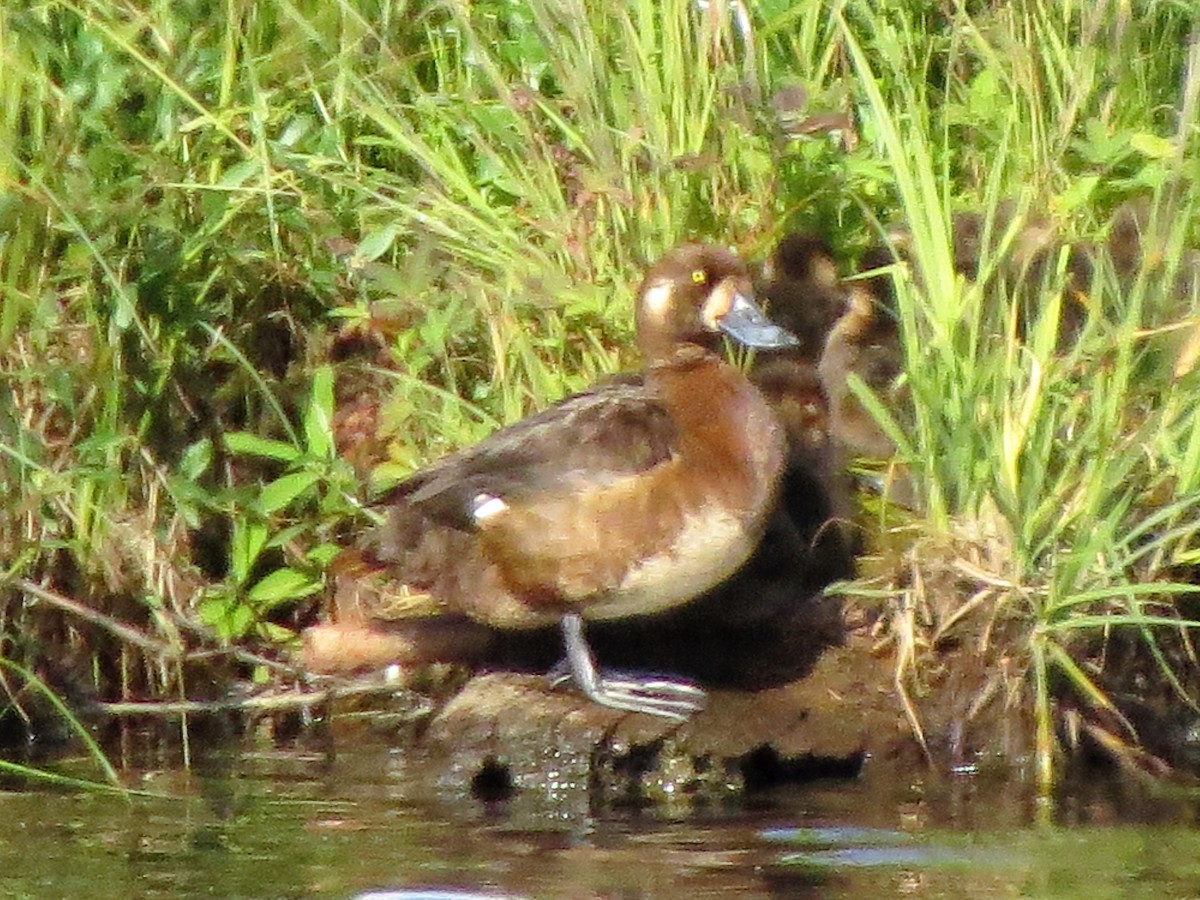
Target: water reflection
column 366, row 820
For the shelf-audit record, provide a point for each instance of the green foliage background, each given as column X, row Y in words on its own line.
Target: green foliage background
column 200, row 199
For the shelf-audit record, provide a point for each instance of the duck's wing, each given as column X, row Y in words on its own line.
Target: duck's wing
column 615, row 429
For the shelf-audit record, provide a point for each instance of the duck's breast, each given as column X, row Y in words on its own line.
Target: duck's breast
column 648, row 541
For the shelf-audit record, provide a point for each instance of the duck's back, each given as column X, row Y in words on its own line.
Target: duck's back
column 607, row 502
column 615, row 429
column 431, row 539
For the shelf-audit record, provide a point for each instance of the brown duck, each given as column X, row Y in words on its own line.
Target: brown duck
column 865, row 342
column 626, row 500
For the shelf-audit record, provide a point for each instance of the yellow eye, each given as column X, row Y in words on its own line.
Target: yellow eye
column 699, row 276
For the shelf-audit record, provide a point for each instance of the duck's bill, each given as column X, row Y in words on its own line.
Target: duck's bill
column 749, row 325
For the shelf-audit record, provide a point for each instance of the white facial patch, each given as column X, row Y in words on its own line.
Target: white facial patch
column 657, row 300
column 719, row 302
column 825, row 271
column 484, row 506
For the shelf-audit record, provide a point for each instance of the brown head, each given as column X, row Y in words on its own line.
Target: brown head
column 801, row 256
column 804, row 293
column 876, row 282
column 695, row 294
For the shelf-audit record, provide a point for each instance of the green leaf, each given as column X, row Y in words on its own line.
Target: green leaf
column 226, row 615
column 125, row 311
column 253, row 445
column 1101, row 148
column 196, row 459
column 388, row 279
column 1152, row 145
column 278, row 634
column 984, row 95
column 1078, row 193
column 282, row 491
column 285, row 536
column 318, row 417
column 247, row 543
column 377, row 243
column 282, row 585
column 239, row 173
column 323, row 554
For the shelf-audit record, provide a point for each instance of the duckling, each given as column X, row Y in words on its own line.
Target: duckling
column 622, row 501
column 793, row 388
column 865, row 341
column 974, row 236
column 806, row 296
column 1125, row 245
column 1137, row 244
column 1030, row 262
column 803, row 293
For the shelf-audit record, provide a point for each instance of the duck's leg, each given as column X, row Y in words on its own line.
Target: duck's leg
column 656, row 696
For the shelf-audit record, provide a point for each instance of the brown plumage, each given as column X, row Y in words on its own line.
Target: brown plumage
column 802, row 292
column 865, row 342
column 628, row 499
column 1138, row 244
column 804, row 295
column 793, row 388
column 1028, row 266
column 812, row 533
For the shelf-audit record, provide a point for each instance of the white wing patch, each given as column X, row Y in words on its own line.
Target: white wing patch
column 484, row 506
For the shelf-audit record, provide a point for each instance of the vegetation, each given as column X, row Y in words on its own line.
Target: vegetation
column 205, row 204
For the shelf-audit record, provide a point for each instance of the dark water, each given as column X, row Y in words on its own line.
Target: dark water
column 307, row 822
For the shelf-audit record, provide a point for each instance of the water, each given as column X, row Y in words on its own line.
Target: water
column 299, row 821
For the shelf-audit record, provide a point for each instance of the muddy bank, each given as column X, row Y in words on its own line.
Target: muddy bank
column 801, row 682
column 509, row 732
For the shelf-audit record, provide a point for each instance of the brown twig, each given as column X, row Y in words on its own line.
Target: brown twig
column 126, row 633
column 248, row 657
column 269, row 702
column 133, row 636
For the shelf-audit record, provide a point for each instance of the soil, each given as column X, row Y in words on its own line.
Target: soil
column 835, row 708
column 506, row 731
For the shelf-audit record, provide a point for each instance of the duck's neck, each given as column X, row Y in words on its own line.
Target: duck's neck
column 678, row 354
column 725, row 426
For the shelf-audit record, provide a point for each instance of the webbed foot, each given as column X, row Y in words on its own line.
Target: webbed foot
column 653, row 695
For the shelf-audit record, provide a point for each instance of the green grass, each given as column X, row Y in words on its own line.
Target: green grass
column 1044, row 452
column 198, row 199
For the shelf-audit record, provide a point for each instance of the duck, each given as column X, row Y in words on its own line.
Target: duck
column 1029, row 264
column 865, row 341
column 626, row 500
column 802, row 292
